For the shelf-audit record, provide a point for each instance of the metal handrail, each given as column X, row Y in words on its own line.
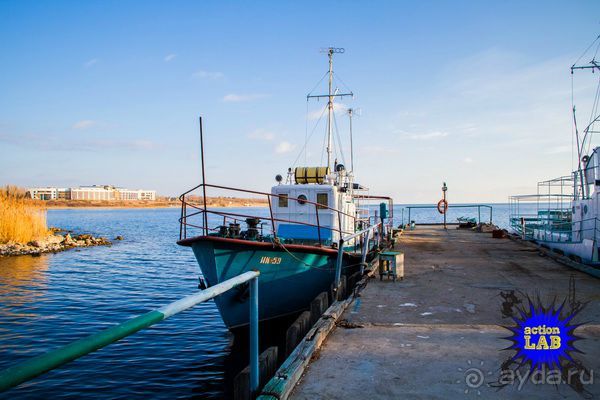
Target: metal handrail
column 201, row 210
column 371, row 197
column 36, row 366
column 265, row 194
column 578, row 225
column 364, row 232
column 478, row 206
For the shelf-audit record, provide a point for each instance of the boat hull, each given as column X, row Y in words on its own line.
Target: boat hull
column 290, row 277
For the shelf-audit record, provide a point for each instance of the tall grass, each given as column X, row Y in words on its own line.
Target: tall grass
column 21, row 219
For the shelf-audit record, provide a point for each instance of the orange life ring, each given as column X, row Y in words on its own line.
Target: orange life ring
column 442, row 206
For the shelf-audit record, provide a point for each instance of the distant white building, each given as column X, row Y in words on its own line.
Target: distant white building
column 95, row 192
column 49, row 193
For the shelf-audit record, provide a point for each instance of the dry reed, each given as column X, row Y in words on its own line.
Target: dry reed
column 21, row 219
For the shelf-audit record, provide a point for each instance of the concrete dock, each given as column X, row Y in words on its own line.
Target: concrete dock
column 420, row 338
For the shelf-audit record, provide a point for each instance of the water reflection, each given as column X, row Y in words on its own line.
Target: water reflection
column 22, row 279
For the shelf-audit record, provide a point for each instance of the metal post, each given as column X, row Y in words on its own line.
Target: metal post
column 365, row 249
column 479, row 214
column 271, row 213
column 254, row 367
column 444, row 189
column 181, row 219
column 338, row 269
column 318, row 223
column 203, row 178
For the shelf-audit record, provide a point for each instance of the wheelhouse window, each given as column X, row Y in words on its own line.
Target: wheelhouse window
column 283, row 200
column 322, row 200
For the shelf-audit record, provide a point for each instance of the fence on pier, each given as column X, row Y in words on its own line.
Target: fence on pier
column 479, row 208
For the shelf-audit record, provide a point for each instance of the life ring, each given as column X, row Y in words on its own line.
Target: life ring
column 442, row 206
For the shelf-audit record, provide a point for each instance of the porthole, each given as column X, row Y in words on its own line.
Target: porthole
column 302, row 199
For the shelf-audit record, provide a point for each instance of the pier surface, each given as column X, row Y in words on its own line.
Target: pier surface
column 419, row 338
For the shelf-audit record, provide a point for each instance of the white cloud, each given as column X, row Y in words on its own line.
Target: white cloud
column 84, row 124
column 238, row 98
column 284, row 147
column 90, row 63
column 426, row 135
column 261, row 134
column 468, row 160
column 170, row 57
column 201, row 74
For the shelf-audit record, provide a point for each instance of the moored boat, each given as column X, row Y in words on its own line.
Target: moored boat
column 319, row 230
column 564, row 214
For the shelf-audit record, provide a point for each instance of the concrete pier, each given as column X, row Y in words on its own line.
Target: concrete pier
column 419, row 338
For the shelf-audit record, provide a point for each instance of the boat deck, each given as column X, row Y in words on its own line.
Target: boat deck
column 417, row 337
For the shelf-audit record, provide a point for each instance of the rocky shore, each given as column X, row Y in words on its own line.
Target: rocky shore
column 53, row 244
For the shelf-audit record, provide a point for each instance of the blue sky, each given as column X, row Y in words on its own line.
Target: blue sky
column 475, row 93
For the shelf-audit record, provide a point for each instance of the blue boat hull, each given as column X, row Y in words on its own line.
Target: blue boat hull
column 289, row 278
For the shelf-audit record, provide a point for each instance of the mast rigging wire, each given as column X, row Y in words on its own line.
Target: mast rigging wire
column 309, row 136
column 586, row 50
column 337, row 134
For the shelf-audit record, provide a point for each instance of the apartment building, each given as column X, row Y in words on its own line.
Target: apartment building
column 94, row 192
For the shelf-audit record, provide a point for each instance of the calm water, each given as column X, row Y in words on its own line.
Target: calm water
column 49, row 301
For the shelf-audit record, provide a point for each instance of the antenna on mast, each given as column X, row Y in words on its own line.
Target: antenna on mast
column 351, row 145
column 330, row 96
column 589, row 130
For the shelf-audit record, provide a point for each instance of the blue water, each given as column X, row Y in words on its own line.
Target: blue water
column 499, row 214
column 52, row 300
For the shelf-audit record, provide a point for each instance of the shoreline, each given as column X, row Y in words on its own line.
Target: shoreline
column 218, row 202
column 108, row 207
column 53, row 243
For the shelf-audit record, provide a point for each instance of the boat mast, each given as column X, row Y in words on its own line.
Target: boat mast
column 330, row 110
column 331, row 95
column 593, row 65
column 350, row 111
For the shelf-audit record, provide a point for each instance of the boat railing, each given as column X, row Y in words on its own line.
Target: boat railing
column 365, row 235
column 531, row 227
column 552, row 211
column 365, row 200
column 33, row 367
column 195, row 213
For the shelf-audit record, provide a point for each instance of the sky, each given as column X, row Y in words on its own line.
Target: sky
column 473, row 93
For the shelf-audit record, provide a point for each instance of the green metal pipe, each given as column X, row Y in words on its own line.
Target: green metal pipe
column 36, row 366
